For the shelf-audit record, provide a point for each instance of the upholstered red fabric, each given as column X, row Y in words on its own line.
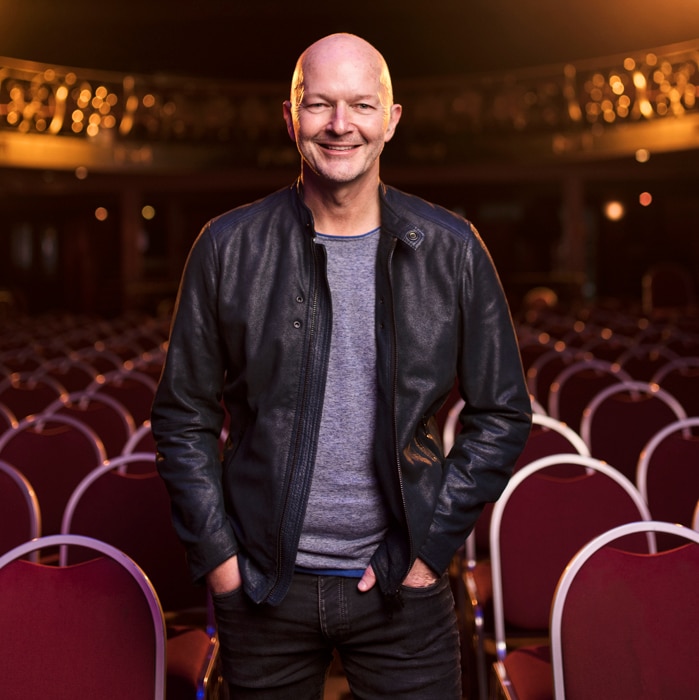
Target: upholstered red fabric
column 82, row 631
column 529, row 671
column 54, row 454
column 619, row 422
column 546, row 521
column 629, row 626
column 132, row 512
column 672, row 482
column 187, row 653
column 20, row 519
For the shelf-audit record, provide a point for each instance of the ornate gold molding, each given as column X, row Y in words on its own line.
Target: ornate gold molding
column 63, row 118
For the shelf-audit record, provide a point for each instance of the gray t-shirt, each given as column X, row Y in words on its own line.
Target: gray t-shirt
column 345, row 517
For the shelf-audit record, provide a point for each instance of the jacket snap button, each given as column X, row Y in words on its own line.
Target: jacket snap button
column 299, row 298
column 297, row 324
column 412, row 235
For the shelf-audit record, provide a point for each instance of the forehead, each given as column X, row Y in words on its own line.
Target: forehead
column 334, row 73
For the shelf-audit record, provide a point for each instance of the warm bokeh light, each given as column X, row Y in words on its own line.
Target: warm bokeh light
column 148, row 212
column 639, row 80
column 642, row 155
column 614, row 210
column 645, row 199
column 81, row 172
column 101, row 214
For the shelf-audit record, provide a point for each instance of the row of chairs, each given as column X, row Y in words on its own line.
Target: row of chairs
column 564, row 382
column 57, row 448
column 607, row 331
column 622, row 623
column 660, row 460
column 94, row 628
column 28, row 393
column 28, row 341
column 130, row 511
column 542, row 519
column 632, row 384
column 77, row 464
column 559, row 509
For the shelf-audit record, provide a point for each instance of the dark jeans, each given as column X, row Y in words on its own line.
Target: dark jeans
column 284, row 652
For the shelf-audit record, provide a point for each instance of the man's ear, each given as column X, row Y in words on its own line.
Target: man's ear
column 393, row 119
column 289, row 119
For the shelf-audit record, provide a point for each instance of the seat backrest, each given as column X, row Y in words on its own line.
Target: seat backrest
column 132, row 388
column 680, row 377
column 7, row 418
column 623, row 624
column 667, row 287
column 20, row 515
column 548, row 436
column 621, row 419
column 576, row 385
column 667, row 473
column 531, row 348
column 452, row 425
column 545, row 368
column 141, row 441
column 72, row 373
column 102, row 359
column 537, row 525
column 132, row 511
column 643, row 361
column 20, row 359
column 608, row 345
column 54, row 453
column 94, row 630
column 107, row 416
column 28, row 394
column 684, row 343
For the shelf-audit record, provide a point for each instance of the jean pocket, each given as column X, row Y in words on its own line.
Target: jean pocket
column 421, row 591
column 226, row 597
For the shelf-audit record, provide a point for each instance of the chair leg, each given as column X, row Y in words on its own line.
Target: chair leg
column 478, row 630
column 500, row 687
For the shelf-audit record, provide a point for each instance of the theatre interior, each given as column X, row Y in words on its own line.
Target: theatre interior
column 567, row 133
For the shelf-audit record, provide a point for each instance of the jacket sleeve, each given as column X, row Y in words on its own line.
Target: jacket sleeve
column 496, row 418
column 187, row 415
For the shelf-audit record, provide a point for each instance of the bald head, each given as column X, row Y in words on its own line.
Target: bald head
column 337, row 50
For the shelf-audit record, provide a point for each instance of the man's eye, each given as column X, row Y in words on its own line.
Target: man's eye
column 316, row 106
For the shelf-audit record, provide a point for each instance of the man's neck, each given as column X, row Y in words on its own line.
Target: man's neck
column 343, row 210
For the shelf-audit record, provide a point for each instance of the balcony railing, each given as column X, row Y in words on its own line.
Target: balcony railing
column 54, row 116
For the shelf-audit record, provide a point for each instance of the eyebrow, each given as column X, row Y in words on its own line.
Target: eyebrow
column 357, row 98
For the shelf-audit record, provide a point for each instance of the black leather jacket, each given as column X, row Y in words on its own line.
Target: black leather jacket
column 251, row 331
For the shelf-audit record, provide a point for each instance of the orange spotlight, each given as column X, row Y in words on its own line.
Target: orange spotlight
column 614, row 210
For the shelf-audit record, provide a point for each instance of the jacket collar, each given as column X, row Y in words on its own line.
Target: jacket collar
column 393, row 219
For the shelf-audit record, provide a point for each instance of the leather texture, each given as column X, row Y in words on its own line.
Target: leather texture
column 251, row 332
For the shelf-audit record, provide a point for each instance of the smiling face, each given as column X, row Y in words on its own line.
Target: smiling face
column 341, row 111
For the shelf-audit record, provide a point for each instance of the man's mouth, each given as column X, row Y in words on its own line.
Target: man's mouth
column 330, row 147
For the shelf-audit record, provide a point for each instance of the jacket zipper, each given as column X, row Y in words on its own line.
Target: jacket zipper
column 394, row 392
column 287, row 528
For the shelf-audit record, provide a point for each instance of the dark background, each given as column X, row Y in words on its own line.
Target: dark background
column 260, row 39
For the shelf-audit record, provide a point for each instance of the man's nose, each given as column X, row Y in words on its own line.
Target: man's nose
column 340, row 121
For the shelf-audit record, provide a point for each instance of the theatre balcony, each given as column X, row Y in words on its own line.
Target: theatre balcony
column 106, row 177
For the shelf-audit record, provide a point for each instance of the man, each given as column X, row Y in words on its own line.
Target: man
column 331, row 320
